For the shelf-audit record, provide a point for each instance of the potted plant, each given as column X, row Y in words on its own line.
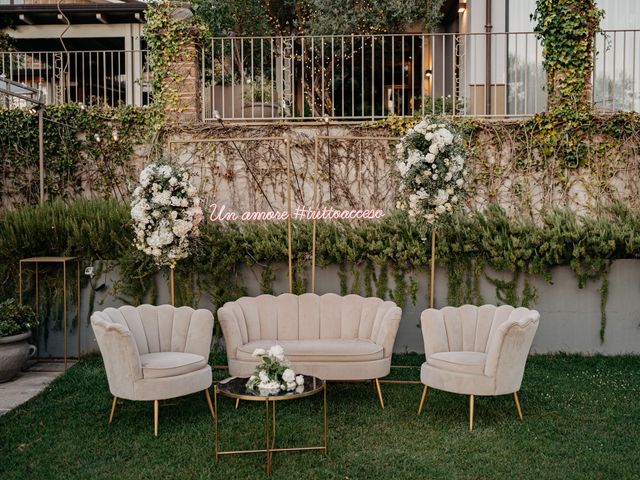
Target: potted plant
column 16, row 322
column 258, row 99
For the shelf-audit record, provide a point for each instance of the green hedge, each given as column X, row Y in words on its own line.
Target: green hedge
column 367, row 253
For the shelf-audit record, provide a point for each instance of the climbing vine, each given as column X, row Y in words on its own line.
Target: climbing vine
column 171, row 40
column 87, row 151
column 566, row 29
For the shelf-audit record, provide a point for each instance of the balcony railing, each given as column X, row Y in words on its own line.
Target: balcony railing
column 110, row 77
column 368, row 77
column 349, row 78
column 358, row 77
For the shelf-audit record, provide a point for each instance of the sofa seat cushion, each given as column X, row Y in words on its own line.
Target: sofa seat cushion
column 325, row 350
column 462, row 362
column 170, row 364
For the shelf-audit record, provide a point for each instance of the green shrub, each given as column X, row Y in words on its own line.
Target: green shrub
column 16, row 318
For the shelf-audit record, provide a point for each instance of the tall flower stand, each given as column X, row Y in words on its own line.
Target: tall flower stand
column 172, row 289
column 433, row 268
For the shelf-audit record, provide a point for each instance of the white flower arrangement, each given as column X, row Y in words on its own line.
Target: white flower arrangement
column 166, row 211
column 432, row 170
column 273, row 374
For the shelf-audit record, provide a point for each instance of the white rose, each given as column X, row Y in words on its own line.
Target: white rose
column 434, row 176
column 277, row 351
column 288, row 375
column 459, row 182
column 264, row 378
column 259, row 352
column 165, row 171
column 433, row 148
column 300, row 380
column 162, row 198
column 430, row 157
column 454, row 199
column 173, row 181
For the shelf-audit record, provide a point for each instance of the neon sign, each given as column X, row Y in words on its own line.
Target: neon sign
column 220, row 213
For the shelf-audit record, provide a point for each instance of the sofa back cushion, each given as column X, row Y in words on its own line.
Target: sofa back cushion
column 309, row 316
column 155, row 329
column 468, row 328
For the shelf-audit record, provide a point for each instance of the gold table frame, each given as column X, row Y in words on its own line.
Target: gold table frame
column 270, row 425
column 63, row 261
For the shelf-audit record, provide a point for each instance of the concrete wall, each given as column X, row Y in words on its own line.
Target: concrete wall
column 569, row 316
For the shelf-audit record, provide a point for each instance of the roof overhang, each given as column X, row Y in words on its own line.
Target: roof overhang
column 77, row 14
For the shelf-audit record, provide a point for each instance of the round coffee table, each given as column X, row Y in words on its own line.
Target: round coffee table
column 235, row 387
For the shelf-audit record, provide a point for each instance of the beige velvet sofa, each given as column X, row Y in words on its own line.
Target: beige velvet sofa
column 154, row 352
column 329, row 336
column 476, row 350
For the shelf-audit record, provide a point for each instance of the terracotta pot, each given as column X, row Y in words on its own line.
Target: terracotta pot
column 14, row 353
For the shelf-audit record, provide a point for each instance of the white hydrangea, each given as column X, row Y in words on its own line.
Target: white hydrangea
column 431, row 167
column 166, row 211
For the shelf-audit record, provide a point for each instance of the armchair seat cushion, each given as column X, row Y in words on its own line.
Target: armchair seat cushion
column 170, row 364
column 461, row 362
column 319, row 350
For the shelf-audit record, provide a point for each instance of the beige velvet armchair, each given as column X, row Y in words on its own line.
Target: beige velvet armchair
column 155, row 353
column 476, row 350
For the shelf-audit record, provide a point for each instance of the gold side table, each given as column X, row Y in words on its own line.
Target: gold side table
column 63, row 261
column 234, row 387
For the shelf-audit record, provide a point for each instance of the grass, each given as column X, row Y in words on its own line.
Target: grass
column 582, row 420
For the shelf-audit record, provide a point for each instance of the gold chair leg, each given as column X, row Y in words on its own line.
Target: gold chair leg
column 515, row 398
column 424, row 395
column 237, row 403
column 379, row 392
column 113, row 408
column 155, row 418
column 206, row 394
column 471, row 400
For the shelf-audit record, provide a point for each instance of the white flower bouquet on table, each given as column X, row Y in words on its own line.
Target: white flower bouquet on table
column 273, row 374
column 166, row 212
column 432, row 170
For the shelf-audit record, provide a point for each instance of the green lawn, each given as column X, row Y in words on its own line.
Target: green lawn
column 582, row 420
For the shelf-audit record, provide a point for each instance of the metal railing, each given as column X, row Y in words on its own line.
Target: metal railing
column 616, row 72
column 110, row 77
column 358, row 77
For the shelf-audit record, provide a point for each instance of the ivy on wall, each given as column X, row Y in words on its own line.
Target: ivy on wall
column 87, row 151
column 566, row 29
column 169, row 40
column 468, row 246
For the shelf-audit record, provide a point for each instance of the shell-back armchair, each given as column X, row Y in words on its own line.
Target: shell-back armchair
column 476, row 350
column 155, row 353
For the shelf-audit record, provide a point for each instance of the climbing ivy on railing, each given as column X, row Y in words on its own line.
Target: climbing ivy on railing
column 566, row 29
column 170, row 40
